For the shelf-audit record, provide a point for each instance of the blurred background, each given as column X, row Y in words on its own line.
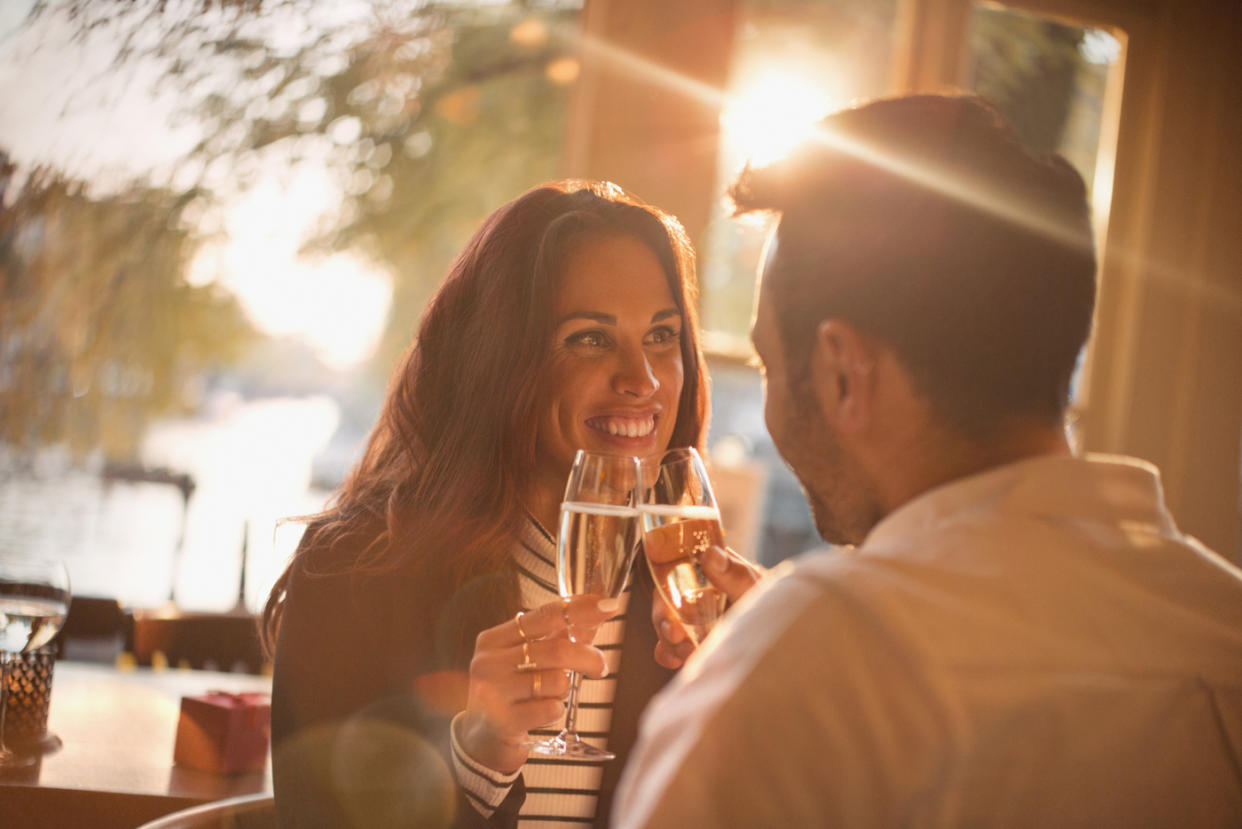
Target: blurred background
column 220, row 221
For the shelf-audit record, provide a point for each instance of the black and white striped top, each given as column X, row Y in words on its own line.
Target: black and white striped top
column 559, row 792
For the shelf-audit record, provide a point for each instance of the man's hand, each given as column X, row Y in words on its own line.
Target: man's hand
column 729, row 573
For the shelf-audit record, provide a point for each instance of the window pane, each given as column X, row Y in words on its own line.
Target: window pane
column 1048, row 77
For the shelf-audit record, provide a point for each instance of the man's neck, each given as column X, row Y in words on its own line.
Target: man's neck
column 941, row 456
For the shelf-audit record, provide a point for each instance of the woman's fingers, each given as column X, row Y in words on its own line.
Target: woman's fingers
column 556, row 654
column 585, row 612
column 505, row 671
column 525, row 700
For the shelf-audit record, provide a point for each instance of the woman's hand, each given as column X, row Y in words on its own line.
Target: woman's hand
column 729, row 573
column 507, row 698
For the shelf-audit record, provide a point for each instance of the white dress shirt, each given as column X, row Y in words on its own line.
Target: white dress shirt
column 1036, row 645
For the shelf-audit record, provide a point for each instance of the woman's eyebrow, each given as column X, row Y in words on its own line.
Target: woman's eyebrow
column 595, row 316
column 609, row 319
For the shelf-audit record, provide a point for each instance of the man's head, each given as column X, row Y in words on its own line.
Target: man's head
column 917, row 233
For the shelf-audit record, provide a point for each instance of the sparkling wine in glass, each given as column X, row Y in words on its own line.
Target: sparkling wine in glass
column 34, row 600
column 680, row 523
column 595, row 550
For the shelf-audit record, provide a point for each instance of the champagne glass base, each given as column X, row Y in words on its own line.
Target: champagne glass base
column 569, row 745
column 46, row 743
column 13, row 760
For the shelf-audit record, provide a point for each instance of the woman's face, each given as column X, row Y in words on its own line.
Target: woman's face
column 615, row 369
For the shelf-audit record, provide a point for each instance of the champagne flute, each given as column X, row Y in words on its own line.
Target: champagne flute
column 595, row 549
column 34, row 600
column 680, row 523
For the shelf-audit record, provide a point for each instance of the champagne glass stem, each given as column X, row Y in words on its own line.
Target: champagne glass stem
column 571, row 709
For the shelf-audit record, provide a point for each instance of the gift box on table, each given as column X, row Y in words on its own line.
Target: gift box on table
column 224, row 733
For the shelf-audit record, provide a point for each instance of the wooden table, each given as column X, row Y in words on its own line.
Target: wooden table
column 115, row 768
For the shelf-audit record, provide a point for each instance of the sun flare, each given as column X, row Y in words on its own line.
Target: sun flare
column 771, row 112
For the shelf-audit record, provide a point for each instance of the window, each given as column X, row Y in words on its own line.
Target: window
column 231, row 236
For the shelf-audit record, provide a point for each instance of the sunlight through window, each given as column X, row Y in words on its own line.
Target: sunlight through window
column 772, row 112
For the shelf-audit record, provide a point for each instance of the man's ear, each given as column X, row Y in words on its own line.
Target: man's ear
column 843, row 374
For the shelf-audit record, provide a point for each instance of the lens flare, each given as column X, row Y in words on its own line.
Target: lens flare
column 773, row 111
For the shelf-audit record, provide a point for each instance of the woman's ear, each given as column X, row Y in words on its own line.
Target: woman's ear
column 843, row 374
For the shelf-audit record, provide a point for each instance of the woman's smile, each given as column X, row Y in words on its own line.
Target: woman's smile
column 624, row 426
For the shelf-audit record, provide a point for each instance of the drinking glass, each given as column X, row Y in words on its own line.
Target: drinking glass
column 680, row 522
column 595, row 549
column 34, row 599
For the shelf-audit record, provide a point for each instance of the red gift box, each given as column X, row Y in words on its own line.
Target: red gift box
column 224, row 733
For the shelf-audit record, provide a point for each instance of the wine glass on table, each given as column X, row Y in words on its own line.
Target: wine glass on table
column 34, row 600
column 680, row 523
column 595, row 549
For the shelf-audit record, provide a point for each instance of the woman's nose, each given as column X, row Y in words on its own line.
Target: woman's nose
column 634, row 376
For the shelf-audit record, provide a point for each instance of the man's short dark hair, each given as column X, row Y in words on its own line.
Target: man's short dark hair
column 924, row 222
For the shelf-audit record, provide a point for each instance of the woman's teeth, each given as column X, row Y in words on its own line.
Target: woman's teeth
column 627, row 427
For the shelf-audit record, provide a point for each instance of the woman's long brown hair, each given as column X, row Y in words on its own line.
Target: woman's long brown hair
column 440, row 484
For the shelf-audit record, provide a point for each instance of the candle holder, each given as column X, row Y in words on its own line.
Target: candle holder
column 30, row 697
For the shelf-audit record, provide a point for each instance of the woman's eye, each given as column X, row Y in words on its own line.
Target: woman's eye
column 589, row 339
column 663, row 334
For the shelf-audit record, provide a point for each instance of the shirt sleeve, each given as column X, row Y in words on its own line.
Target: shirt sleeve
column 485, row 788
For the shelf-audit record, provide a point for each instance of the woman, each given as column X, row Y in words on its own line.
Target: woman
column 567, row 322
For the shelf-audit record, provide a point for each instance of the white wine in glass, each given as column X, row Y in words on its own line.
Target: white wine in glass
column 680, row 523
column 34, row 600
column 593, row 538
column 595, row 550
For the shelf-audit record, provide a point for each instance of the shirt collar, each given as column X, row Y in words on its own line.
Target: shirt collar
column 1119, row 489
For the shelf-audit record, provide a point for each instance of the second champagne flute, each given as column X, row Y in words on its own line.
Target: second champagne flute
column 680, row 523
column 595, row 549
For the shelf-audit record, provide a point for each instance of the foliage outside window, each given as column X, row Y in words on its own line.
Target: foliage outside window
column 426, row 114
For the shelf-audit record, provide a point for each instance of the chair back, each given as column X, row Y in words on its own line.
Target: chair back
column 95, row 630
column 251, row 811
column 206, row 641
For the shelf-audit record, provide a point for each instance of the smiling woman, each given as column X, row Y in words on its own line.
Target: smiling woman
column 568, row 322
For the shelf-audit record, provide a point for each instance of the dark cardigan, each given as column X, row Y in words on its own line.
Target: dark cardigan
column 369, row 673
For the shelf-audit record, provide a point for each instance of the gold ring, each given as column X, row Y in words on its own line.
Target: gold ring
column 536, row 684
column 527, row 664
column 517, row 620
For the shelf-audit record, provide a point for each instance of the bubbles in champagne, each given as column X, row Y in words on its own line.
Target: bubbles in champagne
column 675, row 539
column 595, row 548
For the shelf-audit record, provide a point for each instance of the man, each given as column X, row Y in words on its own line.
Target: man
column 1022, row 636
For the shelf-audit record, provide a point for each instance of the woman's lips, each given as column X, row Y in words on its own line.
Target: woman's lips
column 623, row 427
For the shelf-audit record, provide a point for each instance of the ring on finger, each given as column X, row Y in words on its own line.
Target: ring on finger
column 536, row 684
column 527, row 664
column 517, row 620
